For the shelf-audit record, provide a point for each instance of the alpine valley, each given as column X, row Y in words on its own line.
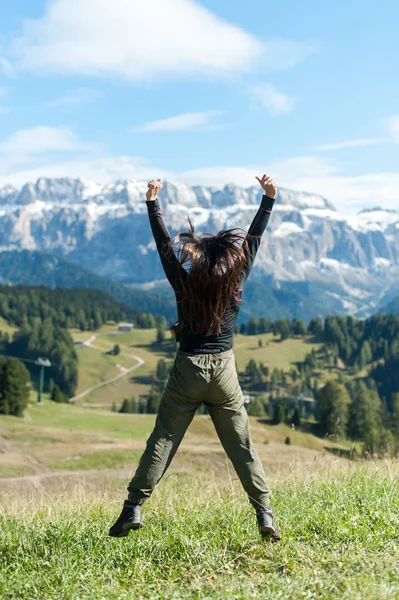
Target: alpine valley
column 313, row 259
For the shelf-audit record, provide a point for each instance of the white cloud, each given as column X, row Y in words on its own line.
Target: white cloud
column 56, row 152
column 184, row 122
column 99, row 169
column 27, row 148
column 351, row 144
column 144, row 40
column 275, row 102
column 392, row 125
column 310, row 174
column 74, row 97
column 37, row 140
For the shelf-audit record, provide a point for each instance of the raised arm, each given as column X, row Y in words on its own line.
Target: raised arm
column 161, row 234
column 259, row 224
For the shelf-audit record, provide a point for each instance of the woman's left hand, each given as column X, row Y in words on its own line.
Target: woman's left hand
column 154, row 186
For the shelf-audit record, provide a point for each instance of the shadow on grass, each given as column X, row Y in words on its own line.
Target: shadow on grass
column 167, row 348
column 305, row 426
column 348, row 454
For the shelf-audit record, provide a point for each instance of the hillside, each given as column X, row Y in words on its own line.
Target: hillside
column 287, row 301
column 392, row 308
column 37, row 268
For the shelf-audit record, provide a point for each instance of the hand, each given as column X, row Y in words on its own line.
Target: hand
column 154, row 186
column 269, row 186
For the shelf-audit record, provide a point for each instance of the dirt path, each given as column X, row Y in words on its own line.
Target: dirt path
column 124, row 371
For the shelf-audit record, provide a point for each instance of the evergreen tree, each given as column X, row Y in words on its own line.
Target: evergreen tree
column 243, row 329
column 275, row 378
column 161, row 322
column 252, row 327
column 253, row 372
column 162, row 369
column 14, row 387
column 116, row 350
column 134, row 405
column 160, row 336
column 333, row 401
column 279, row 413
column 316, row 328
column 57, row 395
column 264, row 369
column 264, row 325
column 296, row 417
column 255, row 408
column 153, row 402
column 365, row 421
column 126, row 407
column 260, row 343
column 282, row 327
column 298, row 327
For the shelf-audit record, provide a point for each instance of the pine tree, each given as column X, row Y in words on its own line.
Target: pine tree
column 153, row 402
column 161, row 322
column 333, row 401
column 282, row 327
column 296, row 417
column 255, row 408
column 14, row 387
column 264, row 325
column 126, row 407
column 252, row 327
column 365, row 421
column 253, row 372
column 58, row 396
column 279, row 413
column 316, row 328
column 160, row 336
column 162, row 369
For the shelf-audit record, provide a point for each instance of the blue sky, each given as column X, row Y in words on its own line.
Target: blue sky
column 205, row 92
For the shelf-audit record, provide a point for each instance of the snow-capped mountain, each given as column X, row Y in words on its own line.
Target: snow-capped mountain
column 104, row 228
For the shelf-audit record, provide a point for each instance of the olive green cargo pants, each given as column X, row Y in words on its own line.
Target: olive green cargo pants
column 209, row 378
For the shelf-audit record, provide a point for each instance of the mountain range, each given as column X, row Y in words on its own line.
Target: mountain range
column 311, row 254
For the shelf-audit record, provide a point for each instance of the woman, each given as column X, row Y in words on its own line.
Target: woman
column 208, row 295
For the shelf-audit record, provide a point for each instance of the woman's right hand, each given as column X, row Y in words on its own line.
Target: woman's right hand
column 154, row 186
column 268, row 185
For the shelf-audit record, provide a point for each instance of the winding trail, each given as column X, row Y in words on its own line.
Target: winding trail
column 124, row 371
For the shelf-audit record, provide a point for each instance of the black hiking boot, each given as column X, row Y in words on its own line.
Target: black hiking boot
column 267, row 526
column 130, row 518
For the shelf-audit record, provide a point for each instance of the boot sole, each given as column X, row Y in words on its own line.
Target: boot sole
column 126, row 530
column 269, row 534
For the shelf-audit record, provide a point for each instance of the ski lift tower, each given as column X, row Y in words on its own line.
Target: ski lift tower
column 43, row 363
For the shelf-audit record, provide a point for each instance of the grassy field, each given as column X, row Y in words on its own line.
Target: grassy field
column 340, row 541
column 95, row 365
column 64, row 471
column 273, row 353
column 59, row 437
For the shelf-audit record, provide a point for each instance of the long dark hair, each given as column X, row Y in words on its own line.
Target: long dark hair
column 213, row 267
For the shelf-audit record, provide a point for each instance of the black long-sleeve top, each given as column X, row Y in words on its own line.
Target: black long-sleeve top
column 190, row 341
